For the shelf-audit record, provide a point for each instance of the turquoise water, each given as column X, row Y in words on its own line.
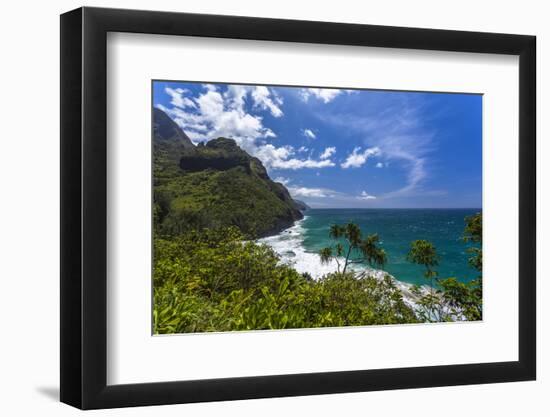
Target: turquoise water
column 397, row 228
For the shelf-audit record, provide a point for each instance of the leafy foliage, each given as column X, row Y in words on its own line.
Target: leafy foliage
column 355, row 249
column 209, row 200
column 215, row 185
column 424, row 253
column 213, row 281
column 448, row 298
column 473, row 233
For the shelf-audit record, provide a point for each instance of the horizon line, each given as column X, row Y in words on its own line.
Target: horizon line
column 396, row 208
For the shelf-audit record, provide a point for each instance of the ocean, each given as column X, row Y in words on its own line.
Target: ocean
column 397, row 228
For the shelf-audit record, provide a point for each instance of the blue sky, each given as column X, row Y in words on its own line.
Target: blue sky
column 344, row 148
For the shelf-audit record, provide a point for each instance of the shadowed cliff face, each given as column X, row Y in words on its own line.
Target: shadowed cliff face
column 212, row 185
column 219, row 154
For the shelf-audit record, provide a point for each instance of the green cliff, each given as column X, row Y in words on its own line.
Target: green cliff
column 213, row 185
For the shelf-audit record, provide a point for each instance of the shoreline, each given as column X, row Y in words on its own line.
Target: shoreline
column 281, row 227
column 288, row 245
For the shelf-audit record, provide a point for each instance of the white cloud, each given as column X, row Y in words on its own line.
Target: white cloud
column 282, row 180
column 263, row 99
column 324, row 94
column 417, row 173
column 220, row 115
column 303, row 149
column 328, row 152
column 178, row 98
column 271, row 155
column 396, row 125
column 235, row 96
column 280, row 158
column 365, row 196
column 215, row 113
column 358, row 158
column 301, row 163
column 211, row 104
column 311, row 192
column 308, row 133
column 379, row 165
column 210, row 87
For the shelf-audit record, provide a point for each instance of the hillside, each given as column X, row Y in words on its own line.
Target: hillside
column 214, row 185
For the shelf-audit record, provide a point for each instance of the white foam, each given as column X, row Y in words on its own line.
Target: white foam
column 289, row 246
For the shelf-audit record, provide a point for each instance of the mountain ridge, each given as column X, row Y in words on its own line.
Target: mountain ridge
column 214, row 185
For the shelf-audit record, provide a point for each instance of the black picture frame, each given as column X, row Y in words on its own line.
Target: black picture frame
column 84, row 207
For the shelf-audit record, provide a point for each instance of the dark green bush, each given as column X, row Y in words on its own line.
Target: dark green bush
column 213, row 281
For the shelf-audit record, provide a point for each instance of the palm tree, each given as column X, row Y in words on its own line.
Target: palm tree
column 423, row 252
column 351, row 233
column 375, row 256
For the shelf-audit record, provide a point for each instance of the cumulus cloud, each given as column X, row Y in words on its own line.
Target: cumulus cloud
column 324, row 94
column 261, row 97
column 358, row 158
column 235, row 96
column 283, row 157
column 300, row 191
column 365, row 196
column 178, row 98
column 282, row 180
column 379, row 165
column 265, row 100
column 215, row 114
column 230, row 112
column 308, row 133
column 306, row 163
column 210, row 87
column 311, row 192
column 272, row 156
column 328, row 152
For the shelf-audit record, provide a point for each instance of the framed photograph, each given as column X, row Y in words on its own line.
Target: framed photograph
column 258, row 208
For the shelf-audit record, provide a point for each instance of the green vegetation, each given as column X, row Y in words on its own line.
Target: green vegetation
column 449, row 299
column 211, row 201
column 216, row 185
column 216, row 199
column 423, row 253
column 213, row 281
column 356, row 250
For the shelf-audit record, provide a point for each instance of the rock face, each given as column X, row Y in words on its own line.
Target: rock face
column 214, row 185
column 219, row 154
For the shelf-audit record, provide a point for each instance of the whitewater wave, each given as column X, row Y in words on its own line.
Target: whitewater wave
column 289, row 246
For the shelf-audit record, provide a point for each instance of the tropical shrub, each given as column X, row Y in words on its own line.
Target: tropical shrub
column 212, row 280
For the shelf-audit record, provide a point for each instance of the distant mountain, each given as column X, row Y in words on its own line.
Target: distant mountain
column 212, row 185
column 166, row 130
column 301, row 205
